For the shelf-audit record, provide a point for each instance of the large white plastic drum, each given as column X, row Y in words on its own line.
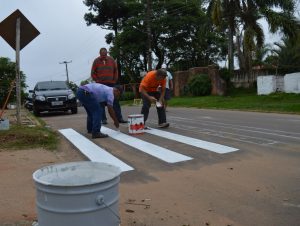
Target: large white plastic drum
column 136, row 124
column 77, row 194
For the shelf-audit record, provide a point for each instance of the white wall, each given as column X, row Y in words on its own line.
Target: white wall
column 266, row 84
column 292, row 83
column 280, row 83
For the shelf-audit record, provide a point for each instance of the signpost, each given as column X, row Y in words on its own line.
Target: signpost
column 18, row 31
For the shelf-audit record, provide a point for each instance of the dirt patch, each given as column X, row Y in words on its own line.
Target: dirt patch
column 229, row 193
column 17, row 203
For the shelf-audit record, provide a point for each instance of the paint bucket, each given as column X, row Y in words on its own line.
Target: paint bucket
column 11, row 106
column 136, row 124
column 77, row 193
column 4, row 124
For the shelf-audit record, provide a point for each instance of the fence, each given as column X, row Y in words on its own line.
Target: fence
column 246, row 79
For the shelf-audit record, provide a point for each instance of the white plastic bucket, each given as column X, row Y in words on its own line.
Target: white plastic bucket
column 136, row 124
column 4, row 124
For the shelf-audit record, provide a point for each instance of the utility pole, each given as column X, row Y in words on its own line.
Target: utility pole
column 18, row 78
column 66, row 63
column 149, row 52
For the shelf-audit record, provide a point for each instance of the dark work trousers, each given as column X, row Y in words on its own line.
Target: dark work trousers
column 93, row 109
column 116, row 106
column 161, row 112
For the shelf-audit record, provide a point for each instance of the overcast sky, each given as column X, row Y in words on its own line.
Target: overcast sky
column 64, row 37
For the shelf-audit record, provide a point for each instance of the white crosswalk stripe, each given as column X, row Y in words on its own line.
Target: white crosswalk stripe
column 146, row 147
column 93, row 151
column 218, row 148
column 97, row 154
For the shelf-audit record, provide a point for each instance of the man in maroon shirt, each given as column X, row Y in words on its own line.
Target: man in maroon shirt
column 105, row 71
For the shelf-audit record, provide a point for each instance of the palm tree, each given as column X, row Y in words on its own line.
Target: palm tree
column 287, row 54
column 261, row 54
column 246, row 13
column 224, row 12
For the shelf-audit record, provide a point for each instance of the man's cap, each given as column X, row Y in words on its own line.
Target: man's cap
column 164, row 66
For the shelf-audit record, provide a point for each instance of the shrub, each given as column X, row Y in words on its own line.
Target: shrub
column 200, row 85
column 226, row 75
column 127, row 96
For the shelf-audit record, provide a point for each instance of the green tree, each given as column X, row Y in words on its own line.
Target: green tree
column 287, row 55
column 73, row 86
column 7, row 75
column 106, row 13
column 181, row 36
column 261, row 54
column 245, row 14
column 184, row 35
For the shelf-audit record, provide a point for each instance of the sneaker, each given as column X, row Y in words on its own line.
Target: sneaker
column 163, row 125
column 123, row 121
column 104, row 122
column 99, row 135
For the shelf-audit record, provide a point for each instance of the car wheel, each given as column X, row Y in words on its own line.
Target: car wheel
column 74, row 110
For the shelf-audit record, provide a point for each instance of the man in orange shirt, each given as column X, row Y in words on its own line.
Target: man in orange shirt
column 150, row 94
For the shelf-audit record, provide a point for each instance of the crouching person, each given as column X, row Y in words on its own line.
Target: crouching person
column 90, row 95
column 150, row 94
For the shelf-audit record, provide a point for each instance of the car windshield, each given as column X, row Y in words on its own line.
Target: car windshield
column 53, row 85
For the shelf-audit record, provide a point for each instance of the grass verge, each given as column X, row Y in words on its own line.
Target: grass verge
column 277, row 102
column 240, row 99
column 24, row 137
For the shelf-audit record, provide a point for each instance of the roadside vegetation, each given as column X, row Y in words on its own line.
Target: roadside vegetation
column 24, row 137
column 237, row 99
column 243, row 100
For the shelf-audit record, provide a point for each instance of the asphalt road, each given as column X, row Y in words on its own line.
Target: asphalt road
column 257, row 185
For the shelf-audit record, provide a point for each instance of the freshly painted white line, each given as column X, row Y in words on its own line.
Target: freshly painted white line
column 218, row 148
column 280, row 133
column 151, row 149
column 227, row 135
column 92, row 151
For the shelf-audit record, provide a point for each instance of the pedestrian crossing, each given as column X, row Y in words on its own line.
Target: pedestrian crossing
column 92, row 151
column 217, row 148
column 97, row 154
column 161, row 153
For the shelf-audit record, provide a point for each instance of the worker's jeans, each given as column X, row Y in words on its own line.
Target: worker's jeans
column 116, row 106
column 161, row 112
column 93, row 109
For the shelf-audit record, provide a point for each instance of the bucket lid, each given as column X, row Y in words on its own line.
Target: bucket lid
column 76, row 173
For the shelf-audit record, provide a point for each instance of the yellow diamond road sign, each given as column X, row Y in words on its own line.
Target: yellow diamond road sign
column 8, row 30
